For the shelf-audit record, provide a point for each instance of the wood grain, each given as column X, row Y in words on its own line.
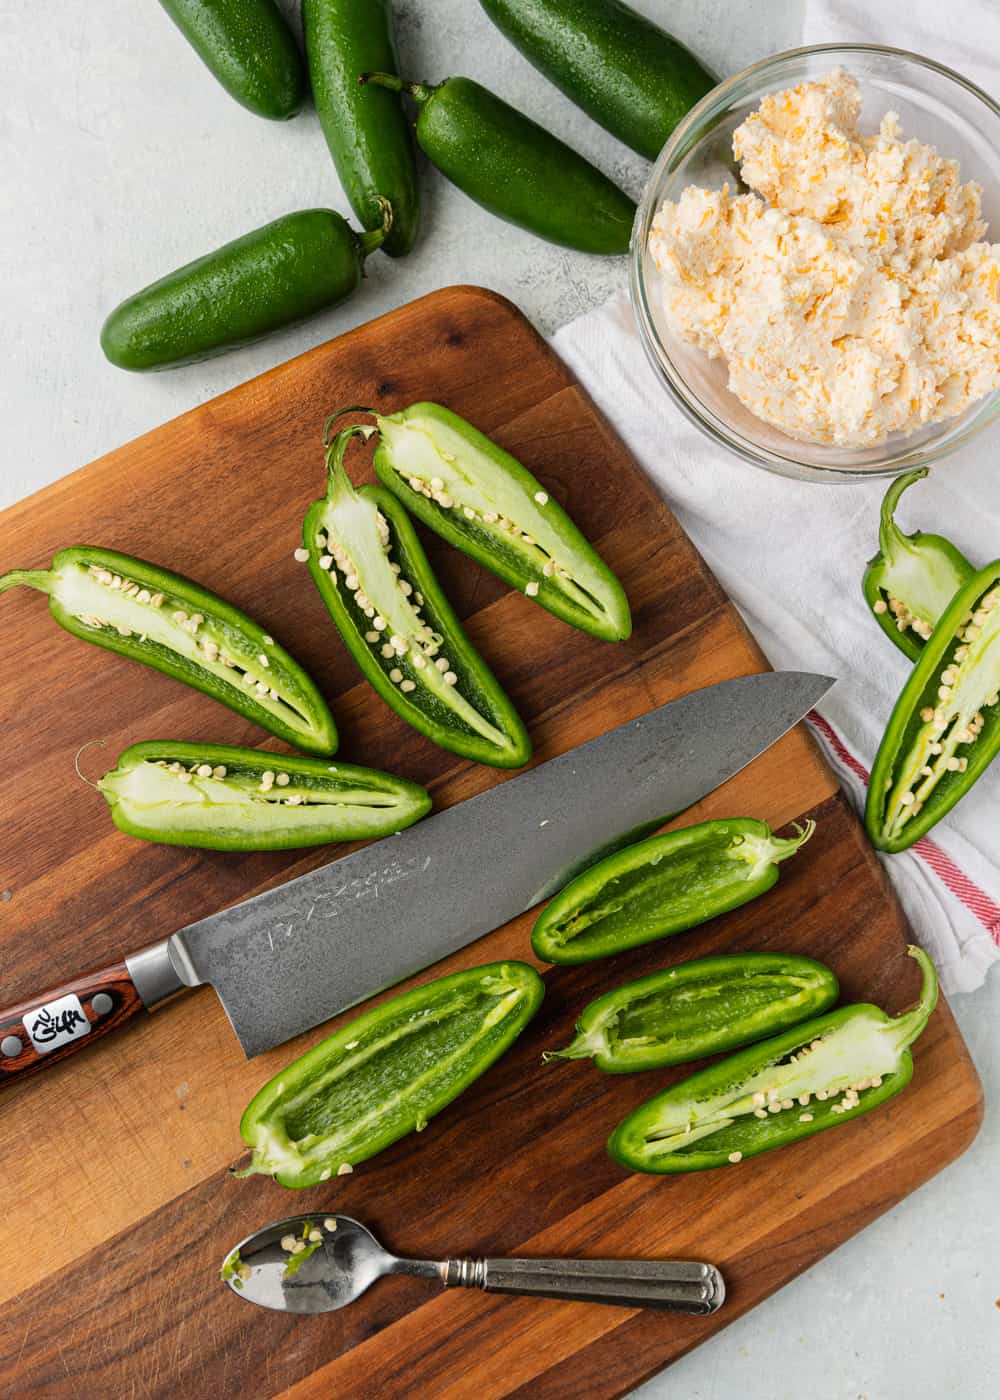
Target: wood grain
column 126, row 1148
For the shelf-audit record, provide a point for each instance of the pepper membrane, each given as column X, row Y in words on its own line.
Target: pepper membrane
column 662, row 886
column 380, row 590
column 912, row 579
column 823, row 1072
column 386, row 1073
column 171, row 623
column 222, row 798
column 699, row 1008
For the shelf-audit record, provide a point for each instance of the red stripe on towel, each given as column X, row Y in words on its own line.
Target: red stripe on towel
column 977, row 901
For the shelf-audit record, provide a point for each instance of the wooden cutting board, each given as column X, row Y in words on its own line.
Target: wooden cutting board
column 117, row 1205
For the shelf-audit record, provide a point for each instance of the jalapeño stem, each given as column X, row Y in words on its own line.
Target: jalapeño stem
column 420, row 92
column 906, row 1028
column 890, row 536
column 33, row 578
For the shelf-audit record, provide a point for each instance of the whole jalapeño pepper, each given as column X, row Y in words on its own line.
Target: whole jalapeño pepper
column 222, row 798
column 145, row 612
column 515, row 168
column 698, row 1008
column 485, row 503
column 912, row 579
column 945, row 729
column 662, row 886
column 386, row 1073
column 825, row 1071
column 379, row 588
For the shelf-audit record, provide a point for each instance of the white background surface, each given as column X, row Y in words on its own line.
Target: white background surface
column 120, row 158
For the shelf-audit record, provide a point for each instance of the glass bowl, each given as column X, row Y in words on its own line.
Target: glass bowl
column 936, row 106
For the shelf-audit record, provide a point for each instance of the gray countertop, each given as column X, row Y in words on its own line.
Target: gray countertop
column 121, row 160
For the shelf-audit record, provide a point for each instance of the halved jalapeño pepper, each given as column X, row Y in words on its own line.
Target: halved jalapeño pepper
column 826, row 1071
column 485, row 503
column 662, row 886
column 375, row 579
column 912, row 579
column 945, row 729
column 386, row 1073
column 699, row 1008
column 223, row 798
column 174, row 625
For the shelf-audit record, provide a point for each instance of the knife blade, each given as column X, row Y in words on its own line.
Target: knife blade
column 285, row 960
column 296, row 955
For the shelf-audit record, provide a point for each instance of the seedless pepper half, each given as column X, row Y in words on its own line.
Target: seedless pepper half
column 486, row 503
column 945, row 729
column 662, row 886
column 697, row 1009
column 379, row 588
column 222, row 798
column 386, row 1073
column 912, row 579
column 825, row 1071
column 145, row 612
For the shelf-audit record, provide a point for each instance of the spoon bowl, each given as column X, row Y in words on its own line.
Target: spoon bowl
column 344, row 1263
column 318, row 1263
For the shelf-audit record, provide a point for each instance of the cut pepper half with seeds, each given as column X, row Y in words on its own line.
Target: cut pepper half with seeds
column 223, row 798
column 912, row 579
column 486, row 503
column 945, row 729
column 379, row 588
column 145, row 612
column 824, row 1072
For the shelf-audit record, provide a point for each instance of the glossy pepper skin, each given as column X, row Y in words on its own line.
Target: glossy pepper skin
column 515, row 168
column 697, row 1009
column 272, row 277
column 378, row 586
column 166, row 621
column 386, row 1073
column 619, row 67
column 662, row 886
column 909, row 583
column 249, row 48
column 945, row 729
column 484, row 502
column 222, row 798
column 825, row 1071
column 365, row 127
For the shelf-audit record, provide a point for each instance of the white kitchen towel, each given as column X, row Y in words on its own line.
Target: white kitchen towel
column 791, row 554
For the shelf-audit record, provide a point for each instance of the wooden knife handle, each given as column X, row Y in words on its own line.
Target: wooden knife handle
column 44, row 1029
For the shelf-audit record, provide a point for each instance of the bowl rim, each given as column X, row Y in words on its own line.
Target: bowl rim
column 700, row 414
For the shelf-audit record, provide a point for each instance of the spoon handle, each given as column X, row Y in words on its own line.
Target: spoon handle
column 674, row 1285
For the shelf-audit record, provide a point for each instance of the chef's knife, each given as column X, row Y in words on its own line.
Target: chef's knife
column 287, row 959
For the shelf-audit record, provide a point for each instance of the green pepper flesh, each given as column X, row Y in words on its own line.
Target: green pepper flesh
column 485, row 503
column 699, row 1008
column 222, row 798
column 166, row 621
column 823, row 1072
column 912, row 579
column 386, row 1073
column 378, row 586
column 944, row 731
column 662, row 886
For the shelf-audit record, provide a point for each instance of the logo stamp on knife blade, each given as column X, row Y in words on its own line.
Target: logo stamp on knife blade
column 348, row 892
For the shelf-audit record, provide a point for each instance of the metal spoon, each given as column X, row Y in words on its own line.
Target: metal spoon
column 338, row 1266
